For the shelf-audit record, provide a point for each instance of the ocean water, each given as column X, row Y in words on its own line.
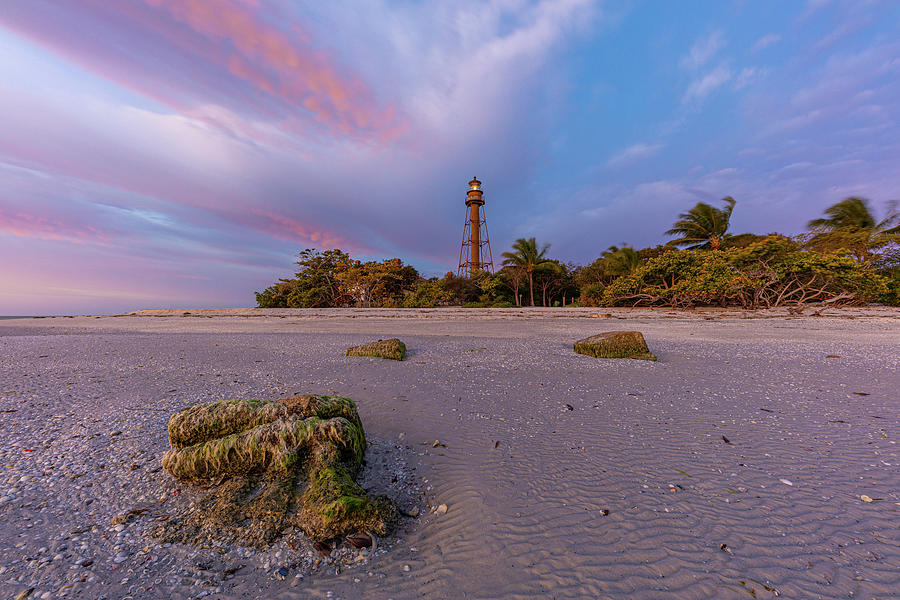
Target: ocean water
column 14, row 317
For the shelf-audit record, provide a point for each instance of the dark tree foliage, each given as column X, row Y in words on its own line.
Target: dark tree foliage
column 333, row 279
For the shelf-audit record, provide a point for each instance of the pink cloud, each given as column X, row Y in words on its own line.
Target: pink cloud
column 189, row 54
column 21, row 224
column 292, row 230
column 284, row 66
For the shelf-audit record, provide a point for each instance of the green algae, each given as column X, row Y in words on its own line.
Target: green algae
column 296, row 469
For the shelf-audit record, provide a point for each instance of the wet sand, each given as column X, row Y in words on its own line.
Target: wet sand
column 536, row 444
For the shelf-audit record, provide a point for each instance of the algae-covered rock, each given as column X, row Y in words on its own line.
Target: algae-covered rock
column 615, row 344
column 272, row 465
column 392, row 348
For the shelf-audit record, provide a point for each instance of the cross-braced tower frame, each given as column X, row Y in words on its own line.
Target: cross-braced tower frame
column 475, row 252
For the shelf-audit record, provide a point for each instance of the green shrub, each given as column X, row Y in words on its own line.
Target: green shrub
column 592, row 294
column 768, row 273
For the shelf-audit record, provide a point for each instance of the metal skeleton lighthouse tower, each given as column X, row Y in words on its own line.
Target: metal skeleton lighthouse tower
column 472, row 255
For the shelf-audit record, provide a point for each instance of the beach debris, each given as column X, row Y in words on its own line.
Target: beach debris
column 441, row 509
column 604, row 512
column 615, row 344
column 861, row 394
column 683, row 473
column 271, row 465
column 865, row 498
column 832, row 356
column 569, row 407
column 724, row 548
column 745, row 587
column 360, row 540
column 497, row 444
column 600, row 316
column 230, row 571
column 727, row 441
column 24, row 593
column 322, row 548
column 786, row 481
column 393, row 349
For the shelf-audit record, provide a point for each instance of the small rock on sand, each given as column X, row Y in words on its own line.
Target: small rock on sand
column 393, row 349
column 615, row 344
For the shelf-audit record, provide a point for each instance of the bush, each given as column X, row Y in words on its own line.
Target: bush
column 891, row 297
column 768, row 273
column 503, row 304
column 592, row 294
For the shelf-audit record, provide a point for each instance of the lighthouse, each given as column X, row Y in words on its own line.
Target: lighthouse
column 475, row 251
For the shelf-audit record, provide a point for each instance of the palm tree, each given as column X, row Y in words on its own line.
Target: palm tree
column 703, row 226
column 621, row 261
column 526, row 256
column 850, row 213
column 850, row 223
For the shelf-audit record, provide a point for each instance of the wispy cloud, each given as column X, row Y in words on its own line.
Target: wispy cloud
column 766, row 41
column 633, row 154
column 747, row 76
column 703, row 50
column 813, row 6
column 703, row 86
column 838, row 92
column 704, row 82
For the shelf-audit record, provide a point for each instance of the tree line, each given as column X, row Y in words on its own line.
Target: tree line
column 847, row 256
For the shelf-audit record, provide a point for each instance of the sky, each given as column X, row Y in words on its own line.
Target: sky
column 180, row 153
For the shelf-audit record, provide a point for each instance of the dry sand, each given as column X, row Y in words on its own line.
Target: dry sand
column 536, row 444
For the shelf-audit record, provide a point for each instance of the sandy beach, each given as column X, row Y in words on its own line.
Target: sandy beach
column 737, row 466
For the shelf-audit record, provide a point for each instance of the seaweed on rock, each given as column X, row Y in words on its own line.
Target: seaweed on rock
column 393, row 349
column 273, row 465
column 615, row 344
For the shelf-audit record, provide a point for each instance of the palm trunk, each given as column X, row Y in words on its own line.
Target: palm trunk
column 531, row 287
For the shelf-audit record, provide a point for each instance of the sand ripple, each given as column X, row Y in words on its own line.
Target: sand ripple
column 527, row 481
